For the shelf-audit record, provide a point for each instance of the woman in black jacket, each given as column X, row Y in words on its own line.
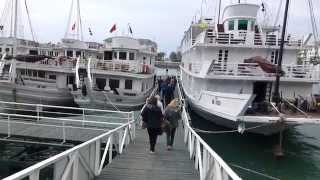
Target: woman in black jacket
column 152, row 117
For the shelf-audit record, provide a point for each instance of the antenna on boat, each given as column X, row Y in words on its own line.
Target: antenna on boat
column 219, row 12
column 276, row 95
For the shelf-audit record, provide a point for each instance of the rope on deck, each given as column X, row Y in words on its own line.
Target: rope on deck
column 254, row 172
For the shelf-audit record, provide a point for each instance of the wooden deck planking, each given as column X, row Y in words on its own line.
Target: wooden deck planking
column 137, row 163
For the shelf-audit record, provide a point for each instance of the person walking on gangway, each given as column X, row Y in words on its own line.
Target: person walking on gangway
column 152, row 119
column 172, row 115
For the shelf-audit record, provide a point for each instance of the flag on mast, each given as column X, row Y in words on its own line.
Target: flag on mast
column 73, row 27
column 114, row 28
column 90, row 32
column 130, row 29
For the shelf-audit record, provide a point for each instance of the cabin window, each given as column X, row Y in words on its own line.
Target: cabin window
column 274, row 57
column 115, row 55
column 108, row 55
column 69, row 53
column 34, row 73
column 231, row 25
column 23, row 72
column 123, row 55
column 33, row 52
column 142, row 87
column 131, row 56
column 70, row 80
column 78, row 54
column 7, row 50
column 41, row 74
column 101, row 83
column 128, row 84
column 53, row 77
column 114, row 84
column 243, row 25
column 0, row 50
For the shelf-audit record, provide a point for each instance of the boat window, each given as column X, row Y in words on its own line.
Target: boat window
column 70, row 80
column 0, row 50
column 131, row 56
column 101, row 83
column 123, row 55
column 78, row 54
column 53, row 77
column 41, row 74
column 243, row 25
column 34, row 73
column 23, row 72
column 29, row 72
column 108, row 55
column 115, row 55
column 114, row 83
column 142, row 87
column 33, row 52
column 69, row 54
column 7, row 49
column 231, row 25
column 128, row 84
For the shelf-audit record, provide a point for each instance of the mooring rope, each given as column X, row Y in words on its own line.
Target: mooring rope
column 224, row 132
column 254, row 172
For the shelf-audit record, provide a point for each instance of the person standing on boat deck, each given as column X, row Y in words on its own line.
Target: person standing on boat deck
column 159, row 103
column 172, row 114
column 152, row 116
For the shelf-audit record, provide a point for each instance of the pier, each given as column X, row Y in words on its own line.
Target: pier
column 121, row 152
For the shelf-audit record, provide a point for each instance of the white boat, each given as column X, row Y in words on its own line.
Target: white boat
column 228, row 74
column 122, row 80
column 36, row 73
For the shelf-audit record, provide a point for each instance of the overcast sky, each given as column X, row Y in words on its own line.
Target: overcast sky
column 163, row 21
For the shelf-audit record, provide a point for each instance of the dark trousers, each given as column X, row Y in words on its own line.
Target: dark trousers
column 170, row 136
column 153, row 135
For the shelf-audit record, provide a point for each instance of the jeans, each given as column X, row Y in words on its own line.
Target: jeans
column 170, row 136
column 153, row 135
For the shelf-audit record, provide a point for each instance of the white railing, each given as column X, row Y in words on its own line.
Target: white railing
column 124, row 67
column 249, row 38
column 209, row 164
column 57, row 63
column 294, row 72
column 13, row 115
column 84, row 161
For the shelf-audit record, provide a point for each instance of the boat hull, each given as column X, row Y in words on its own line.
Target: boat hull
column 34, row 95
column 102, row 100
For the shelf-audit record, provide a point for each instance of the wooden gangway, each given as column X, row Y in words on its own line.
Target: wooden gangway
column 137, row 163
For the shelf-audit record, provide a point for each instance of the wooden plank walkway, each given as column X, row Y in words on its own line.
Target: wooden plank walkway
column 136, row 162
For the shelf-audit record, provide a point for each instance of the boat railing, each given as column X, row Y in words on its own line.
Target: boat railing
column 86, row 160
column 124, row 67
column 303, row 72
column 60, row 63
column 247, row 38
column 209, row 164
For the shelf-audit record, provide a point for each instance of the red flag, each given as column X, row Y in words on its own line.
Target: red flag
column 73, row 27
column 114, row 28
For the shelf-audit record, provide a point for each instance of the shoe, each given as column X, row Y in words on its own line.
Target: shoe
column 169, row 148
column 151, row 152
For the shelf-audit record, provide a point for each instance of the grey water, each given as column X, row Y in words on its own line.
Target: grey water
column 255, row 152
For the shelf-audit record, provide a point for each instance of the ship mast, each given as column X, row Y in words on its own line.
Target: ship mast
column 276, row 95
column 74, row 26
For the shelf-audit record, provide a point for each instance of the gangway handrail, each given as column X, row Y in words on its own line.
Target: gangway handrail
column 70, row 162
column 63, row 107
column 207, row 161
